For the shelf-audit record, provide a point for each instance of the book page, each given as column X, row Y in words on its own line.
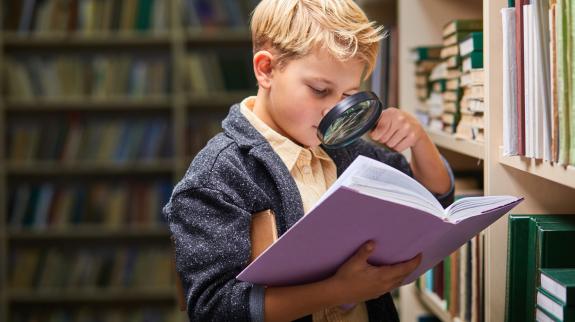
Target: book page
column 385, row 176
column 475, row 206
column 394, row 194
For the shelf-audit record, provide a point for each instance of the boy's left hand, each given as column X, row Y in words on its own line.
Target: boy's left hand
column 397, row 129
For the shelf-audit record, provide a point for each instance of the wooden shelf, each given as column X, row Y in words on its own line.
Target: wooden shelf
column 77, row 233
column 469, row 148
column 564, row 175
column 87, row 104
column 42, row 168
column 433, row 304
column 218, row 37
column 97, row 39
column 91, row 296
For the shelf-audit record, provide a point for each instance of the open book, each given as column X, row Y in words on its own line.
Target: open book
column 373, row 201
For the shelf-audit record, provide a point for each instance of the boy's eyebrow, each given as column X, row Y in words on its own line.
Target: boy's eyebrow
column 327, row 81
column 324, row 80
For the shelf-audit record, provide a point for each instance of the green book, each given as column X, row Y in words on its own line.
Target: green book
column 438, row 86
column 426, row 53
column 455, row 38
column 560, row 283
column 473, row 42
column 517, row 261
column 522, row 268
column 563, row 79
column 553, row 307
column 548, row 235
column 544, row 316
column 462, row 25
column 472, row 61
column 571, row 112
column 551, row 240
column 144, row 15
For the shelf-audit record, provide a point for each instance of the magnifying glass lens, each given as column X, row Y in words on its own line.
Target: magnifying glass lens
column 349, row 123
column 349, row 120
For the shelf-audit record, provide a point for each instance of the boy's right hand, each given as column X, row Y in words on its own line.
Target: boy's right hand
column 360, row 281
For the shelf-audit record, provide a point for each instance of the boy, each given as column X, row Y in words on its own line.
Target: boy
column 308, row 55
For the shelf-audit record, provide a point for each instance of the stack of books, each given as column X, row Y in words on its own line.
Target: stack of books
column 426, row 60
column 471, row 123
column 454, row 33
column 556, row 295
column 536, row 251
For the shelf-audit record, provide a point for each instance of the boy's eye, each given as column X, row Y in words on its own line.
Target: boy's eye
column 318, row 91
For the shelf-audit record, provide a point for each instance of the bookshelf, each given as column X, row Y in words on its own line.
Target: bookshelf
column 176, row 103
column 93, row 297
column 433, row 304
column 469, row 148
column 552, row 172
column 547, row 188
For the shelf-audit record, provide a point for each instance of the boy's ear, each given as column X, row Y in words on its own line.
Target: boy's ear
column 263, row 68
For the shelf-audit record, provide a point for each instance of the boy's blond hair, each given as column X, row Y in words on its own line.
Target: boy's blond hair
column 295, row 27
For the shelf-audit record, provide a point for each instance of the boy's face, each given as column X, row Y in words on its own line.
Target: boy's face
column 302, row 92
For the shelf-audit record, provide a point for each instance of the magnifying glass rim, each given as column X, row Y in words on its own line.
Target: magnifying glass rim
column 341, row 108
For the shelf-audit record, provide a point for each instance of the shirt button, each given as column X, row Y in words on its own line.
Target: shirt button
column 307, row 169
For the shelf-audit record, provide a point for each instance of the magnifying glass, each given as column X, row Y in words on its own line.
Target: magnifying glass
column 349, row 120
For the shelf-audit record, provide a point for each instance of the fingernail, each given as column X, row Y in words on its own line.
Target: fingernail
column 369, row 246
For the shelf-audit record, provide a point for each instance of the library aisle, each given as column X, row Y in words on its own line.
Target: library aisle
column 104, row 104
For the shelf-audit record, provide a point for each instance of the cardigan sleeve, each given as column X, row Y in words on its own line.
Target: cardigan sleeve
column 211, row 237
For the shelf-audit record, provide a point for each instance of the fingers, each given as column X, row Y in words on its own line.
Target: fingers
column 406, row 142
column 402, row 270
column 364, row 252
column 390, row 125
column 398, row 136
column 383, row 127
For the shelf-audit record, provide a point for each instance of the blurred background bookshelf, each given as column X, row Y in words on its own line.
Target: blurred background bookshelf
column 104, row 104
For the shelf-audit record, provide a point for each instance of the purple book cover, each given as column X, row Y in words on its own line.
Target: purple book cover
column 315, row 247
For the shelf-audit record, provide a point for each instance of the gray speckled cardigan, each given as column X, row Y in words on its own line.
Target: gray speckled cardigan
column 235, row 175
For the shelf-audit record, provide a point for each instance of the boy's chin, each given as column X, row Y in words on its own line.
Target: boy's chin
column 312, row 143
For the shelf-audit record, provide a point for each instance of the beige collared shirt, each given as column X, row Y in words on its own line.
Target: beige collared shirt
column 314, row 172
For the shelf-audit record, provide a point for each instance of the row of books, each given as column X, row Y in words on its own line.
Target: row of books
column 110, row 205
column 457, row 281
column 89, row 139
column 88, row 76
column 91, row 314
column 86, row 16
column 220, row 71
column 449, row 81
column 93, row 269
column 210, row 14
column 538, row 83
column 537, row 286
